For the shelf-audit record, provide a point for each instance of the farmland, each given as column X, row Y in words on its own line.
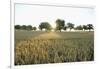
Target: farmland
column 38, row 47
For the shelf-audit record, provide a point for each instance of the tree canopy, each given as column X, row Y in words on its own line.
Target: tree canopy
column 23, row 27
column 60, row 24
column 89, row 26
column 79, row 27
column 70, row 25
column 34, row 28
column 85, row 27
column 45, row 25
column 29, row 27
column 17, row 27
column 65, row 28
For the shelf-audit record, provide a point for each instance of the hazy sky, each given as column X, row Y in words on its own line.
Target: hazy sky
column 35, row 14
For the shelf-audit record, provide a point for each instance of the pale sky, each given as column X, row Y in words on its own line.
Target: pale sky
column 35, row 14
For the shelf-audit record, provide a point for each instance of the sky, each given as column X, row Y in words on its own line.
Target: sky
column 35, row 14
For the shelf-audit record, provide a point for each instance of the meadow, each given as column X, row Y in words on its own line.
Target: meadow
column 38, row 47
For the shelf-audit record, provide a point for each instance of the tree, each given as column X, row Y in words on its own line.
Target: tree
column 89, row 26
column 79, row 27
column 45, row 25
column 70, row 25
column 60, row 24
column 85, row 27
column 34, row 28
column 17, row 27
column 29, row 27
column 23, row 27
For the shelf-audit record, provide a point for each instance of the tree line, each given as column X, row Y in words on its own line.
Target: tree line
column 60, row 25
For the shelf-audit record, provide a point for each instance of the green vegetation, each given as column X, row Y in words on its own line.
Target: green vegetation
column 37, row 47
column 89, row 26
column 60, row 25
column 45, row 25
column 34, row 28
column 79, row 27
column 70, row 25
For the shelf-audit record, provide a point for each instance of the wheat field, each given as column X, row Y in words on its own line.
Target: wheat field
column 53, row 47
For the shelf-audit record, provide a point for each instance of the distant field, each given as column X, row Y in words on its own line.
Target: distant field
column 53, row 47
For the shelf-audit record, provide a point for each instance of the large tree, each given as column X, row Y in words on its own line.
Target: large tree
column 60, row 24
column 89, row 26
column 45, row 25
column 70, row 25
column 17, row 27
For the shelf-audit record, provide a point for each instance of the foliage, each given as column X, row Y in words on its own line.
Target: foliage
column 89, row 26
column 85, row 27
column 17, row 26
column 60, row 24
column 34, row 28
column 29, row 27
column 70, row 25
column 79, row 27
column 45, row 25
column 65, row 28
column 23, row 27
